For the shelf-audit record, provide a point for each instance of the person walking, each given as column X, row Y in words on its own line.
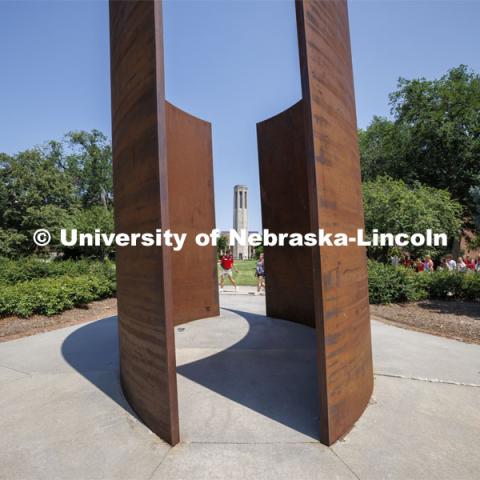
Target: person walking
column 429, row 266
column 395, row 260
column 461, row 267
column 407, row 261
column 451, row 263
column 226, row 270
column 443, row 265
column 470, row 263
column 260, row 274
column 419, row 265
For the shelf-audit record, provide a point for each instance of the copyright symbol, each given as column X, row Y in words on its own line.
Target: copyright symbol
column 42, row 237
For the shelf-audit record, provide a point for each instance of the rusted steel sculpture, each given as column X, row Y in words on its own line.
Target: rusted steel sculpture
column 286, row 209
column 163, row 178
column 191, row 202
column 310, row 179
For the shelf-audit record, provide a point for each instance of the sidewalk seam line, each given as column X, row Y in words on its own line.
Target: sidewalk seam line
column 160, row 463
column 345, row 463
column 15, row 370
column 428, row 380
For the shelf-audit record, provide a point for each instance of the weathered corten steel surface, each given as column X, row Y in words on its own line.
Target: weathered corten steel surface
column 147, row 346
column 285, row 209
column 339, row 273
column 310, row 179
column 309, row 167
column 191, row 202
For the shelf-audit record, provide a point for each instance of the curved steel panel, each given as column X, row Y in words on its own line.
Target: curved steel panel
column 163, row 178
column 147, row 344
column 335, row 196
column 285, row 209
column 190, row 191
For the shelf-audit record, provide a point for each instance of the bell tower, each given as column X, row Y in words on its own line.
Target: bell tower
column 240, row 218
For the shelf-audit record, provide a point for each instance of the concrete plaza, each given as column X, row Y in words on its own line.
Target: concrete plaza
column 248, row 406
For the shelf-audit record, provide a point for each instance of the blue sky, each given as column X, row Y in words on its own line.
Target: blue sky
column 233, row 63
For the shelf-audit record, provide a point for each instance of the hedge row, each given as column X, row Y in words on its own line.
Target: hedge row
column 387, row 284
column 54, row 292
column 29, row 268
column 33, row 286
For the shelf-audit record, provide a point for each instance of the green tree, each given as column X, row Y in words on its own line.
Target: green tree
column 382, row 149
column 89, row 163
column 222, row 244
column 392, row 206
column 434, row 137
column 474, row 242
column 52, row 187
column 258, row 250
column 35, row 192
column 87, row 220
column 475, row 194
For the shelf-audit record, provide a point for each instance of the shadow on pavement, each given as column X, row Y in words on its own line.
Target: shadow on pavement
column 92, row 350
column 272, row 370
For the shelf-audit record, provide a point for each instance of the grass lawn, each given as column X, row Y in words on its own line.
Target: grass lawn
column 246, row 272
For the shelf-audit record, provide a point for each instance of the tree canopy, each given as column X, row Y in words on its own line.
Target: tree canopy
column 433, row 138
column 392, row 206
column 89, row 164
column 50, row 186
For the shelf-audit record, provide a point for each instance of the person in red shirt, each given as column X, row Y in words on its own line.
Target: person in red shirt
column 407, row 261
column 226, row 269
column 469, row 263
column 420, row 266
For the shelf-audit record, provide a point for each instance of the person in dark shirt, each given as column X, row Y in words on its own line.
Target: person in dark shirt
column 260, row 274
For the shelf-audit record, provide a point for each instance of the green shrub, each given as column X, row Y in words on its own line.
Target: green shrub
column 454, row 285
column 33, row 286
column 57, row 287
column 387, row 284
column 30, row 268
column 471, row 286
column 444, row 285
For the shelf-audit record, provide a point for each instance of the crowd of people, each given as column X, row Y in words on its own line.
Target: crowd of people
column 447, row 263
column 421, row 264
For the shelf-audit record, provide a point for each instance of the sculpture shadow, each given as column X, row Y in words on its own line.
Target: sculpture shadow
column 272, row 370
column 93, row 351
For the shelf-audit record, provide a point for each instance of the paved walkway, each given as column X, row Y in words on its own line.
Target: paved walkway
column 248, row 406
